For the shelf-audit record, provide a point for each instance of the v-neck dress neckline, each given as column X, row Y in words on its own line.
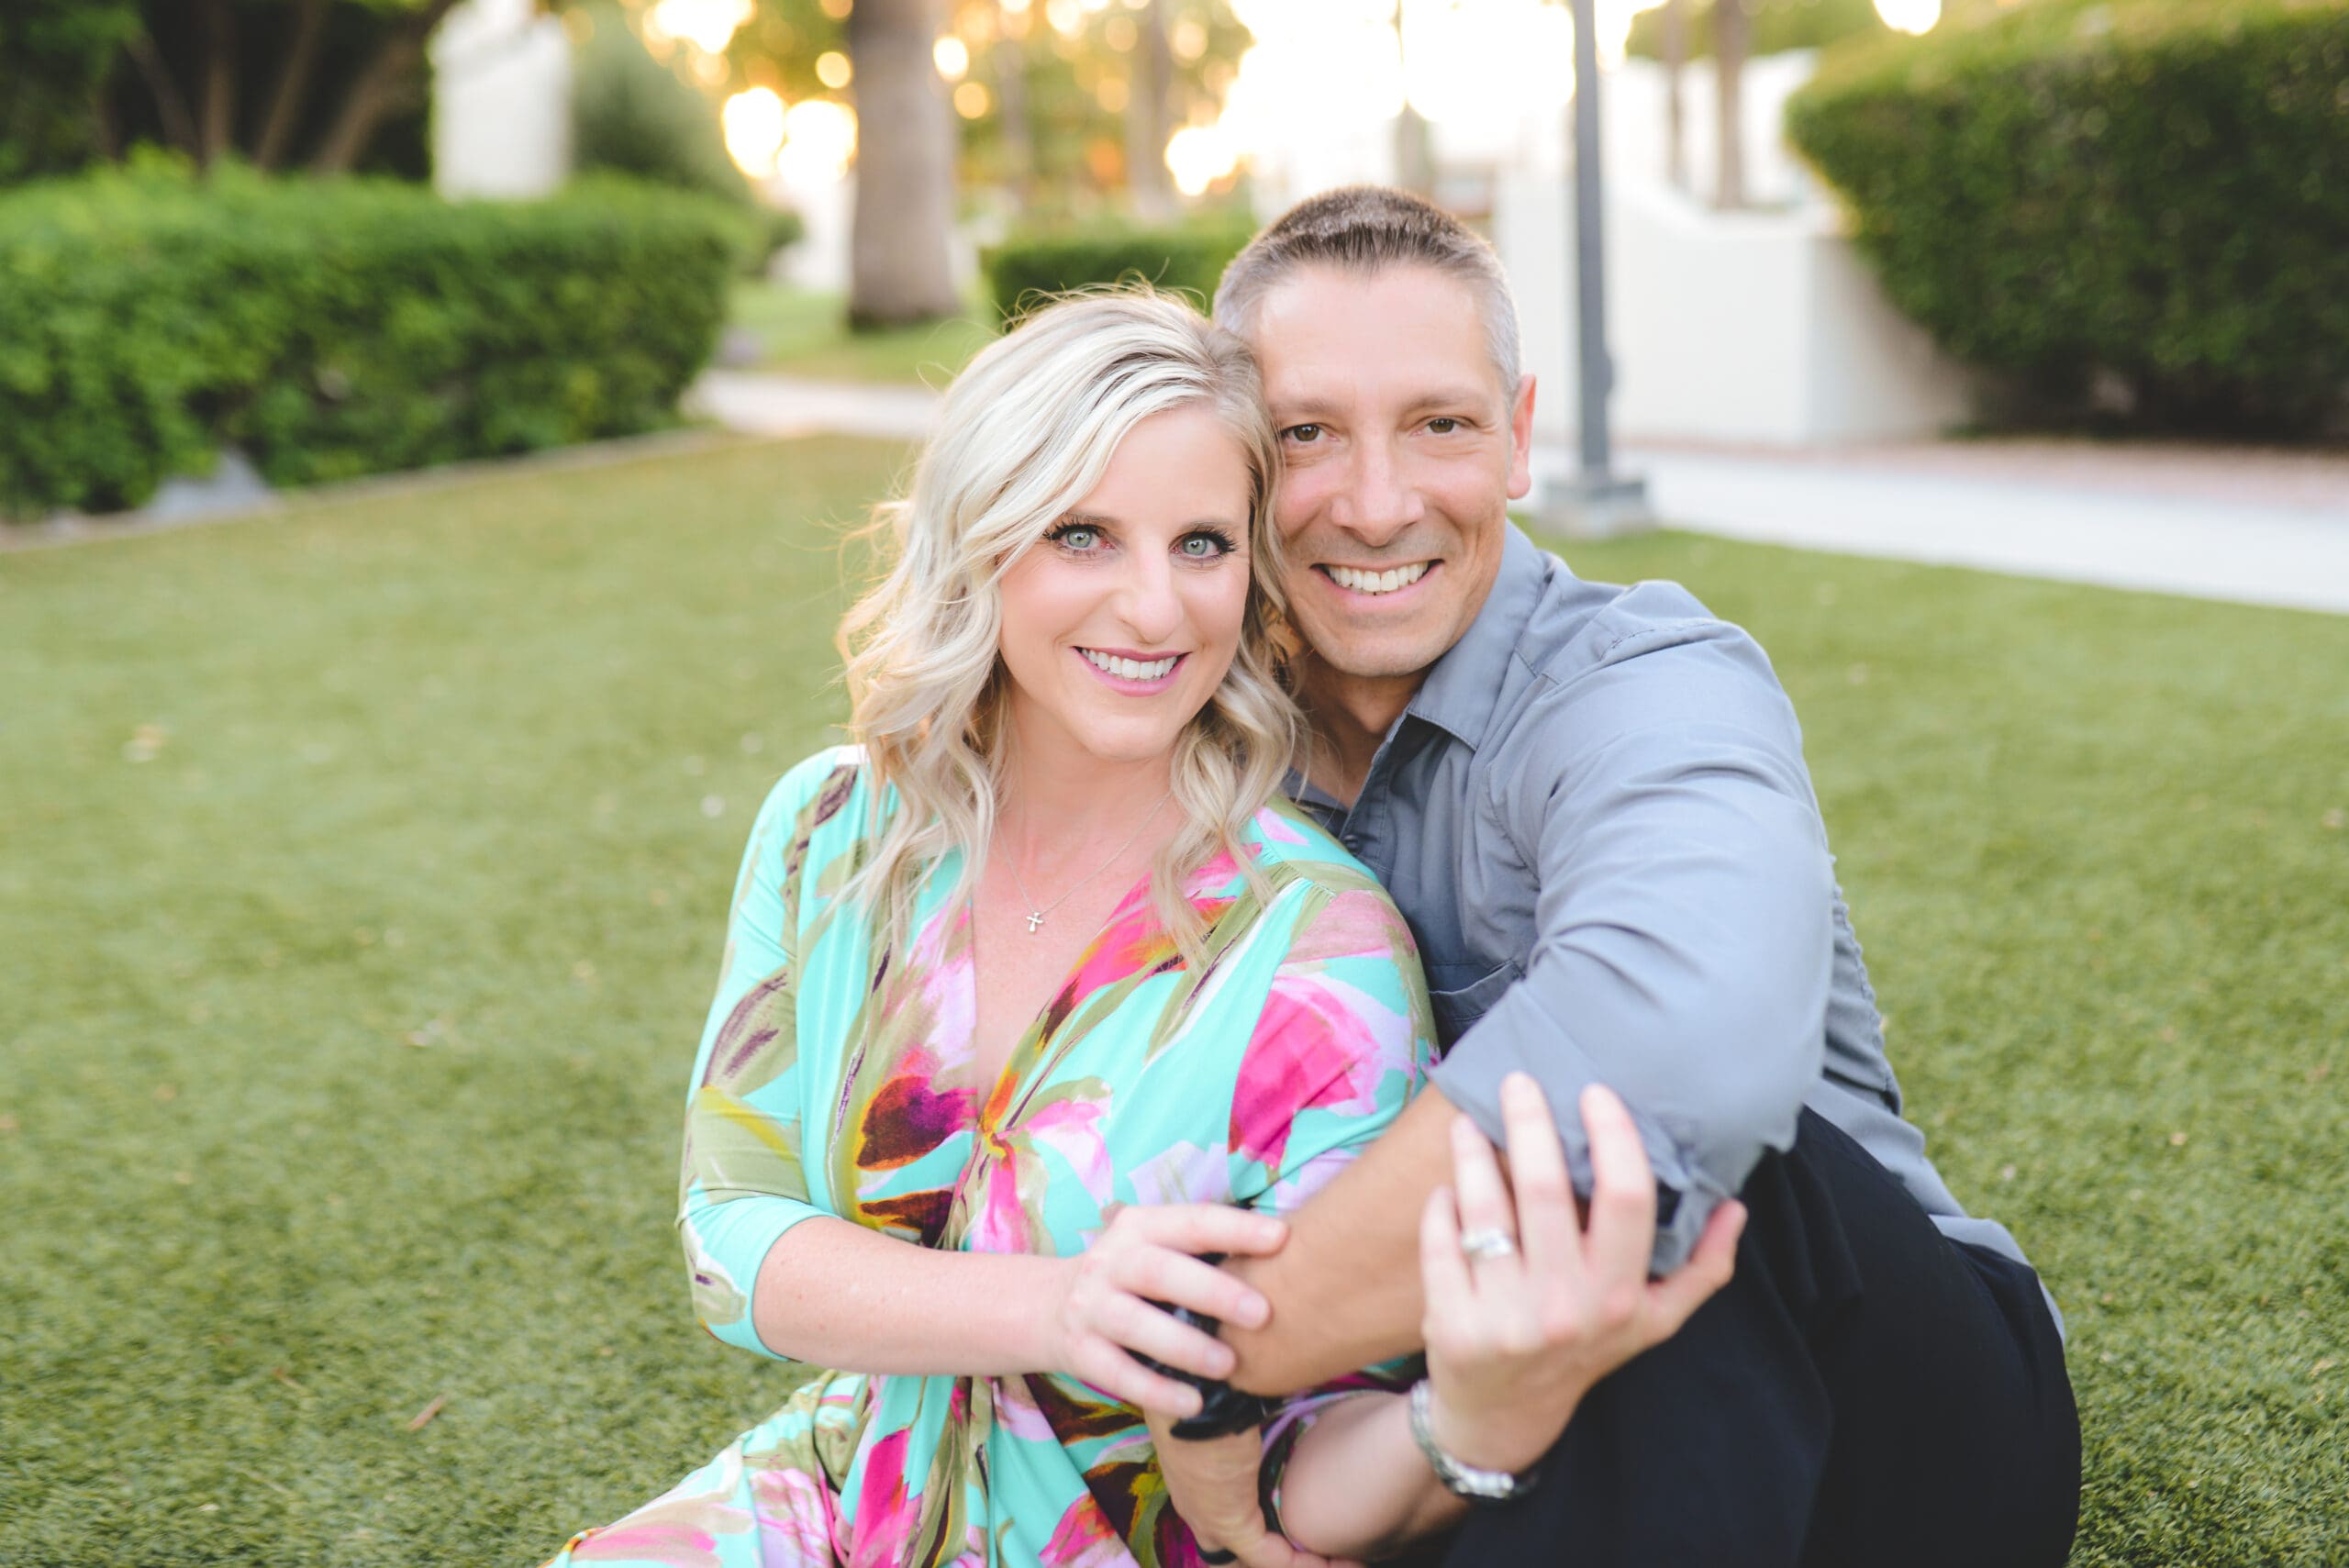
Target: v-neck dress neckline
column 996, row 1097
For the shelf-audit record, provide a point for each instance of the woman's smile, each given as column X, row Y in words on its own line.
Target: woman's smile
column 1143, row 674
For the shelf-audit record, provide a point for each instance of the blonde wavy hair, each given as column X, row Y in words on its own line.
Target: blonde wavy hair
column 1026, row 432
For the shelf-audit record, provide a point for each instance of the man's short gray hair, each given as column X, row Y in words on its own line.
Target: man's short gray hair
column 1367, row 229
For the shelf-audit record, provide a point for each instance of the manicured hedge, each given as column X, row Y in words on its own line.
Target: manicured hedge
column 1190, row 257
column 2143, row 199
column 335, row 329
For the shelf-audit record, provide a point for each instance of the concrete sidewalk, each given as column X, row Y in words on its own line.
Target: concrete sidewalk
column 2253, row 527
column 2245, row 524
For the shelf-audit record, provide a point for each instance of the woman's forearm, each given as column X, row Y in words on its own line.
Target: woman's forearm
column 1357, row 1486
column 835, row 1295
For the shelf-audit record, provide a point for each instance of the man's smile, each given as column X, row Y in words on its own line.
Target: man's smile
column 1376, row 582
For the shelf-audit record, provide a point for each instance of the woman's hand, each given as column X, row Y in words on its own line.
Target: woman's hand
column 1539, row 1308
column 1101, row 1311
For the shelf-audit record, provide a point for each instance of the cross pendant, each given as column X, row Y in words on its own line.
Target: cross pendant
column 1034, row 920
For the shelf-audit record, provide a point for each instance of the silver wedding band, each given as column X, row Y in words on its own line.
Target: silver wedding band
column 1483, row 1245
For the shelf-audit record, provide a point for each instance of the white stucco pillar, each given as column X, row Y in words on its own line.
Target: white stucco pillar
column 501, row 101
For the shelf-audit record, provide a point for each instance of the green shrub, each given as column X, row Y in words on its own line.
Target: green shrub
column 334, row 329
column 1190, row 258
column 774, row 230
column 2137, row 201
column 632, row 115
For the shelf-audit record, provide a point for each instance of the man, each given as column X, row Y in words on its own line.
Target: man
column 1591, row 804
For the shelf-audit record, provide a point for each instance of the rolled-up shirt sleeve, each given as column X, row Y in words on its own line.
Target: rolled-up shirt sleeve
column 1683, row 951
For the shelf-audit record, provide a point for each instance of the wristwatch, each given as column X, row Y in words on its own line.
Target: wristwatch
column 1223, row 1410
column 1462, row 1480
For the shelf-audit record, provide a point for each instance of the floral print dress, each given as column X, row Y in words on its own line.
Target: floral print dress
column 832, row 1081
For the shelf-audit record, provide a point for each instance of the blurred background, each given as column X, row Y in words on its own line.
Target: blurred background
column 1827, row 222
column 364, row 858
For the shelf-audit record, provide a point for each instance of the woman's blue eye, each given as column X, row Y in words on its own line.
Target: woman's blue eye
column 1077, row 538
column 1204, row 546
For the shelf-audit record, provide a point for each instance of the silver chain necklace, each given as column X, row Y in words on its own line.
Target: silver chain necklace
column 1035, row 916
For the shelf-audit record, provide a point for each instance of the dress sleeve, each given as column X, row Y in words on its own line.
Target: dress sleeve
column 1345, row 1040
column 743, row 1183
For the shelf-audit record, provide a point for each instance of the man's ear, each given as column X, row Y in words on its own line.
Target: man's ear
column 1520, row 432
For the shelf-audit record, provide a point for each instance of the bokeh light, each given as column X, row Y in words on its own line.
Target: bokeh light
column 1199, row 155
column 833, row 70
column 753, row 122
column 1909, row 16
column 708, row 24
column 819, row 140
column 953, row 57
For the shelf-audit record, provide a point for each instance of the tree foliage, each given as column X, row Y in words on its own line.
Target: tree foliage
column 631, row 114
column 332, row 85
column 54, row 56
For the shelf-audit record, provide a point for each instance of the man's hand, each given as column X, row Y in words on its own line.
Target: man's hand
column 1213, row 1484
column 1536, row 1307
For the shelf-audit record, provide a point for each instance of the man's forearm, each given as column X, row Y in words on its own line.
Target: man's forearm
column 1345, row 1288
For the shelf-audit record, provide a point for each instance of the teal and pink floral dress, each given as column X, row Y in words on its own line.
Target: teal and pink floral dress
column 822, row 1090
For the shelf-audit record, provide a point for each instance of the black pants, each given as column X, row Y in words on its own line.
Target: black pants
column 1864, row 1394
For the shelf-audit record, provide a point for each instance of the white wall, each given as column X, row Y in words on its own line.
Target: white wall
column 501, row 101
column 1752, row 326
column 1637, row 139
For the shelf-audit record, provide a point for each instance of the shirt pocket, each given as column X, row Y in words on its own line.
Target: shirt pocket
column 1460, row 1005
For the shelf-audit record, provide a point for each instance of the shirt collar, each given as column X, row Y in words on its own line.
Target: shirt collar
column 1465, row 685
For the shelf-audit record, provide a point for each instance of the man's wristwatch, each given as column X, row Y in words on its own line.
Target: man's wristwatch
column 1223, row 1410
column 1462, row 1480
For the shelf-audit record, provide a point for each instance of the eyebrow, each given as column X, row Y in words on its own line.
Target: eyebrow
column 1102, row 520
column 1289, row 409
column 1448, row 396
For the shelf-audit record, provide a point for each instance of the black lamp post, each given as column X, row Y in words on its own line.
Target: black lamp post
column 1595, row 500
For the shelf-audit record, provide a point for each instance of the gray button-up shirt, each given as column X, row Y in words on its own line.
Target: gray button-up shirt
column 1596, row 817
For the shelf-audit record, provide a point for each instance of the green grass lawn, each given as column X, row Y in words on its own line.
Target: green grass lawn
column 363, row 880
column 804, row 332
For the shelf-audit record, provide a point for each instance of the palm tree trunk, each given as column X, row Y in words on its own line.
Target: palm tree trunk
column 1730, row 34
column 898, row 267
column 1414, row 142
column 1676, row 111
column 1010, row 57
column 387, row 82
column 170, row 103
column 1148, row 118
column 292, row 88
column 219, row 81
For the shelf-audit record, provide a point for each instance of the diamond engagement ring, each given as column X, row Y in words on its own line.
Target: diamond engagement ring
column 1486, row 1243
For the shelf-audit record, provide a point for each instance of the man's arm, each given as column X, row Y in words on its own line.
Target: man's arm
column 1345, row 1289
column 1685, row 941
column 1682, row 957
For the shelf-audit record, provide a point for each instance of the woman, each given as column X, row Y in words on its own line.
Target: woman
column 1031, row 995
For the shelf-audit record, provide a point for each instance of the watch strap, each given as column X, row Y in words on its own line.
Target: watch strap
column 1477, row 1485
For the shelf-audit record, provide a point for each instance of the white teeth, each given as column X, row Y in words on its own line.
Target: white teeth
column 1377, row 582
column 1130, row 669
